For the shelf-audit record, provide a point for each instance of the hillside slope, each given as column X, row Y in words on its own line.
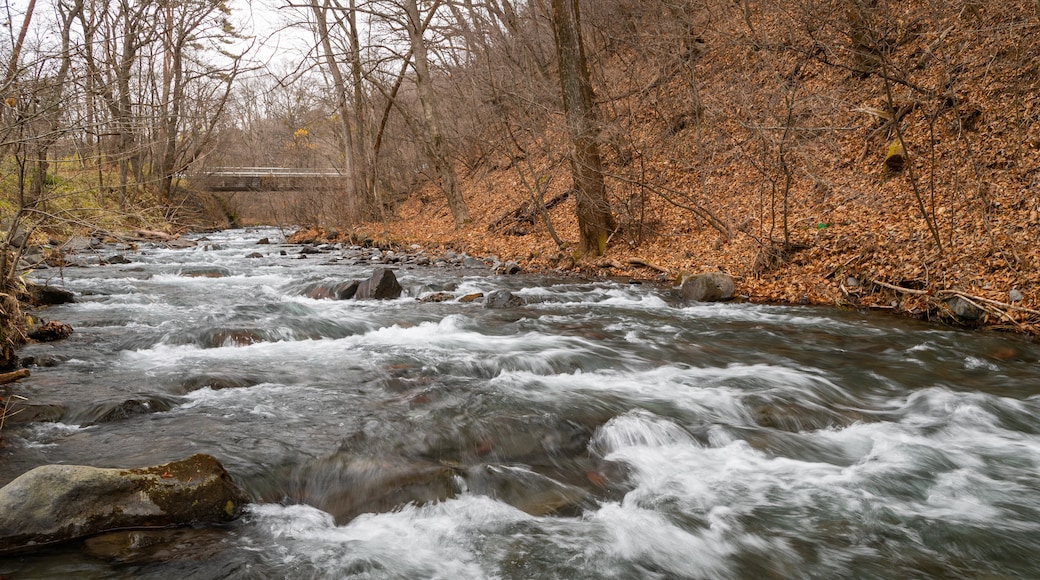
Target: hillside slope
column 883, row 156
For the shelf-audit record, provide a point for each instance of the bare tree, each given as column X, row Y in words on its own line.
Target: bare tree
column 595, row 220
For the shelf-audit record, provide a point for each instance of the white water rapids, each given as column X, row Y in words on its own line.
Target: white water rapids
column 602, row 430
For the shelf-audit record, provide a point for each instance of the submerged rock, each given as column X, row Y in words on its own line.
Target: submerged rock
column 120, row 410
column 347, row 486
column 20, row 412
column 57, row 503
column 142, row 547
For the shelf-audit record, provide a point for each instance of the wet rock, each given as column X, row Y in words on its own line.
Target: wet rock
column 220, row 337
column 263, row 241
column 113, row 411
column 964, row 310
column 206, row 272
column 469, row 262
column 796, row 417
column 471, row 297
column 347, row 486
column 57, row 503
column 141, row 547
column 180, row 244
column 340, row 291
column 502, row 299
column 41, row 360
column 707, row 287
column 117, row 259
column 508, row 269
column 382, row 285
column 217, row 382
column 309, row 250
column 254, row 255
column 526, row 490
column 79, row 244
column 21, row 412
column 51, row 331
column 436, row 297
column 48, row 295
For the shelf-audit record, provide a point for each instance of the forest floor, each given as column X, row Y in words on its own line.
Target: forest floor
column 792, row 187
column 852, row 255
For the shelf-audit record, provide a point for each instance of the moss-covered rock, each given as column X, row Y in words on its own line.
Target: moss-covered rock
column 56, row 503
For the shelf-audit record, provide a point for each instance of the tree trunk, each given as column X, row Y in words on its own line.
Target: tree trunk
column 595, row 220
column 431, row 115
column 340, row 85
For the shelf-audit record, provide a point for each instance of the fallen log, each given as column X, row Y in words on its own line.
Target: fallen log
column 6, row 378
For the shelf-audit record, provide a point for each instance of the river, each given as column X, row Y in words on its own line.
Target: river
column 601, row 430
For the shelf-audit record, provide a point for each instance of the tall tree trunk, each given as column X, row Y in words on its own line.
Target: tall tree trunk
column 340, row 85
column 364, row 164
column 432, row 116
column 595, row 220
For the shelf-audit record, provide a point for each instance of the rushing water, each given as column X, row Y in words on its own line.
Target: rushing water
column 603, row 430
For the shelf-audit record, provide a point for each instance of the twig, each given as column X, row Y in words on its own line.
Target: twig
column 900, row 288
column 643, row 263
column 996, row 303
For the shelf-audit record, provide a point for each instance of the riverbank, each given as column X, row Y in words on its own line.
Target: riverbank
column 854, row 256
column 899, row 173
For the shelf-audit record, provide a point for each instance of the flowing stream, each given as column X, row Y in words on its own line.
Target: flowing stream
column 601, row 430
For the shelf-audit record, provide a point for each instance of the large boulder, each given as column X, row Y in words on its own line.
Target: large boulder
column 707, row 287
column 382, row 285
column 56, row 503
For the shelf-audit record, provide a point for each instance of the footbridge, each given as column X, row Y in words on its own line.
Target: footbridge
column 267, row 179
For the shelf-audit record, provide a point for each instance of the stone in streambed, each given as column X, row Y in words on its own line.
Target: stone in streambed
column 57, row 503
column 48, row 295
column 382, row 285
column 142, row 547
column 527, row 490
column 436, row 297
column 499, row 299
column 340, row 291
column 707, row 287
column 347, row 486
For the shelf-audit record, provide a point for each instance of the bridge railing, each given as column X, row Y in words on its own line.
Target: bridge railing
column 266, row 178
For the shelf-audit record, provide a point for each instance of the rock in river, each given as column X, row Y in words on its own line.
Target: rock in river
column 56, row 503
column 383, row 285
column 708, row 287
column 502, row 299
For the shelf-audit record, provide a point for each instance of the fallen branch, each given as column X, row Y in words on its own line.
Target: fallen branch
column 608, row 263
column 995, row 303
column 13, row 376
column 644, row 264
column 980, row 304
column 899, row 288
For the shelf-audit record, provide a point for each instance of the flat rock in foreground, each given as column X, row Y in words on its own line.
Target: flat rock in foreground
column 56, row 503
